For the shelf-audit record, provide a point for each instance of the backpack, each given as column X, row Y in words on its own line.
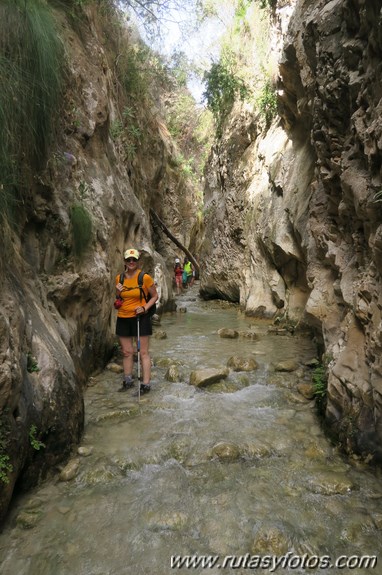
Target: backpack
column 153, row 308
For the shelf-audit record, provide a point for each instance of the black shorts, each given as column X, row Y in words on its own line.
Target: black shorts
column 127, row 326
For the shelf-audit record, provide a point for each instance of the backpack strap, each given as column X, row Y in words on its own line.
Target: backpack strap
column 140, row 285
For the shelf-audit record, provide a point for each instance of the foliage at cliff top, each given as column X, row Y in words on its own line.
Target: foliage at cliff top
column 246, row 69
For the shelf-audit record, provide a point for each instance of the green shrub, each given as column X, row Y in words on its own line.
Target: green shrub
column 223, row 86
column 267, row 102
column 81, row 229
column 35, row 443
column 32, row 365
column 5, row 466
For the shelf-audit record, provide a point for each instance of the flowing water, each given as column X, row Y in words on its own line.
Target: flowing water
column 223, row 474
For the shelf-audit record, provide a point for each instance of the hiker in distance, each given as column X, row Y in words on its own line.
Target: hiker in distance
column 178, row 273
column 137, row 300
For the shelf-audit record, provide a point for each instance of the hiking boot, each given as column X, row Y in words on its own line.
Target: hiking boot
column 127, row 383
column 144, row 388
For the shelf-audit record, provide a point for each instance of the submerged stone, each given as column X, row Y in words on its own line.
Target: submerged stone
column 203, row 377
column 242, row 363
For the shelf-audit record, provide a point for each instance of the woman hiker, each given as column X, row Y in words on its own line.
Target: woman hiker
column 133, row 309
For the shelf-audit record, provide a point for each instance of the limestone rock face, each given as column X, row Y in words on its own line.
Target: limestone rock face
column 57, row 321
column 292, row 226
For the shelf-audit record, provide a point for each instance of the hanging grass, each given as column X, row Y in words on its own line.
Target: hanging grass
column 31, row 75
column 81, row 229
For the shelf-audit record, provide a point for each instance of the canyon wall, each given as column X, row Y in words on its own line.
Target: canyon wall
column 293, row 228
column 56, row 314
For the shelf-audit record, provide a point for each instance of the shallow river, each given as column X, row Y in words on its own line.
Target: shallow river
column 222, row 474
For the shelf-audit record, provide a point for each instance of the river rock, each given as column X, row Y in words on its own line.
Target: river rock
column 288, row 365
column 378, row 520
column 114, row 367
column 163, row 361
column 306, row 390
column 257, row 451
column 160, row 334
column 228, row 333
column 203, row 377
column 85, row 451
column 226, row 451
column 249, row 335
column 312, row 363
column 330, row 483
column 117, row 414
column 28, row 519
column 70, row 470
column 167, row 520
column 237, row 363
column 270, row 541
column 173, row 374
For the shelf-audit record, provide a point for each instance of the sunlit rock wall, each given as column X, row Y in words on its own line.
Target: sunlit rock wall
column 292, row 216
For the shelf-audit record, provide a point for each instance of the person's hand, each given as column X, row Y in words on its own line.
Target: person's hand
column 140, row 310
column 119, row 286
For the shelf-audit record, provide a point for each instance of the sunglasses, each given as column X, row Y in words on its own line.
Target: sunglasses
column 131, row 260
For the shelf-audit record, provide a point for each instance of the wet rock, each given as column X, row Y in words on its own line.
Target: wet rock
column 163, row 361
column 249, row 335
column 70, row 470
column 330, row 483
column 117, row 414
column 229, row 386
column 160, row 334
column 91, row 382
column 63, row 509
column 101, row 475
column 288, row 365
column 228, row 333
column 256, row 450
column 378, row 521
column 173, row 374
column 277, row 330
column 167, row 521
column 28, row 519
column 182, row 309
column 270, row 541
column 295, row 397
column 312, row 363
column 237, row 363
column 85, row 451
column 317, row 451
column 226, row 451
column 203, row 377
column 155, row 319
column 306, row 390
column 114, row 367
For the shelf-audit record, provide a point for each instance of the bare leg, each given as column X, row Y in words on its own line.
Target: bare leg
column 145, row 359
column 128, row 354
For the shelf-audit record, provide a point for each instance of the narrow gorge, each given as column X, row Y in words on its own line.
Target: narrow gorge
column 286, row 220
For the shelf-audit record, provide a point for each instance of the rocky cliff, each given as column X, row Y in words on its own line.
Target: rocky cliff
column 56, row 313
column 293, row 228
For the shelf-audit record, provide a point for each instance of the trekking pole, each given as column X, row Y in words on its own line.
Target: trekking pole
column 139, row 359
